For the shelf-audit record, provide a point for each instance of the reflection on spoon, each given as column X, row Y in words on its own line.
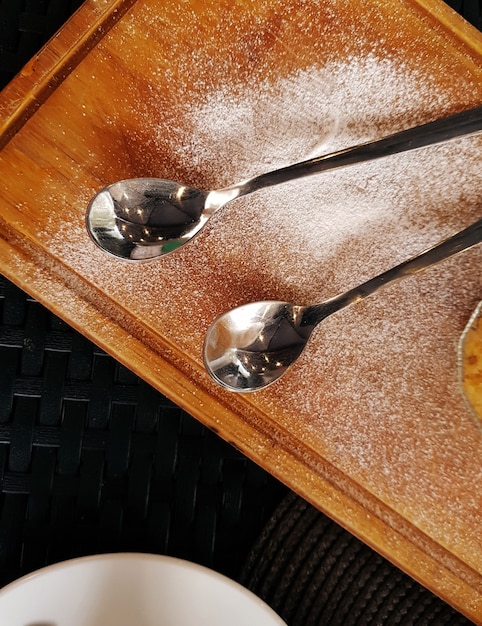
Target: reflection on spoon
column 250, row 347
column 144, row 218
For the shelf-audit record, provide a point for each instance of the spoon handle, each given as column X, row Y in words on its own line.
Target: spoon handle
column 441, row 130
column 459, row 242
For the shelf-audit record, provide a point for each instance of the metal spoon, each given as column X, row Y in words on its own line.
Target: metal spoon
column 143, row 218
column 248, row 348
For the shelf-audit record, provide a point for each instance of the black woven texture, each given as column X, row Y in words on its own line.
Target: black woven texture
column 93, row 460
column 312, row 572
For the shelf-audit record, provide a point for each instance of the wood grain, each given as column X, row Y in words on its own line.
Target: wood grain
column 85, row 112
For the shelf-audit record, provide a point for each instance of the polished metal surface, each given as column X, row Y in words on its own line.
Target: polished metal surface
column 250, row 347
column 145, row 218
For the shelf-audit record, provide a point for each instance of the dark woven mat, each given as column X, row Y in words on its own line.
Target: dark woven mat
column 312, row 572
column 94, row 460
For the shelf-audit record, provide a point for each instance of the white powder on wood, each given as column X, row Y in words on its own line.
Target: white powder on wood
column 376, row 390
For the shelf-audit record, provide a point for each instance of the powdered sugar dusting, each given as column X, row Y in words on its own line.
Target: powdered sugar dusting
column 377, row 385
column 312, row 111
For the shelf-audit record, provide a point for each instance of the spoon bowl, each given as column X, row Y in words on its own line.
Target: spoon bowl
column 142, row 218
column 145, row 218
column 252, row 346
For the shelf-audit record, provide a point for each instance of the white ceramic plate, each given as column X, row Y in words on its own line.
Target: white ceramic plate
column 130, row 590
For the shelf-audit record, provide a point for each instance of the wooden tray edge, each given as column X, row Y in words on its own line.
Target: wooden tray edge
column 464, row 34
column 55, row 61
column 336, row 495
column 20, row 100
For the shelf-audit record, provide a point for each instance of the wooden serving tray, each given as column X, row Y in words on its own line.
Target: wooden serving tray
column 370, row 425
